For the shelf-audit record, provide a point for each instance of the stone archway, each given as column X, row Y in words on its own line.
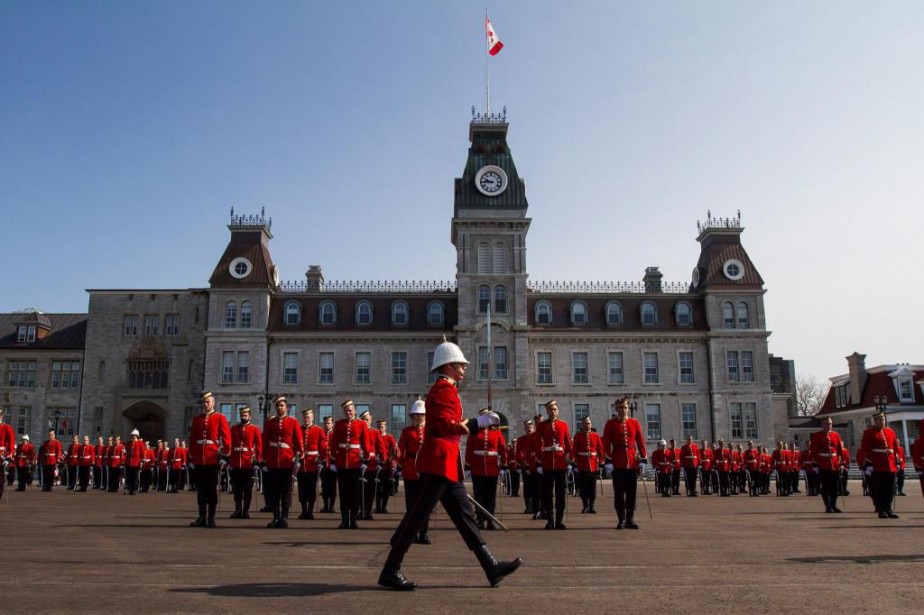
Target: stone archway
column 148, row 418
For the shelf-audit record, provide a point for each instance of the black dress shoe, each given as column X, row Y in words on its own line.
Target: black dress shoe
column 592, row 511
column 835, row 509
column 266, row 509
column 245, row 515
column 210, row 522
column 620, row 525
column 560, row 526
column 200, row 522
column 631, row 525
column 282, row 524
column 891, row 515
column 235, row 515
column 882, row 515
column 423, row 539
column 353, row 525
column 394, row 579
column 550, row 526
column 273, row 523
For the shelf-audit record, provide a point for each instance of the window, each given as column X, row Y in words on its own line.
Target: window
column 484, row 258
column 482, row 363
column 22, row 374
column 151, row 324
column 65, row 374
column 905, row 390
column 23, row 422
column 579, row 371
column 840, row 396
column 397, row 419
column 149, row 374
column 290, row 368
column 65, row 422
column 326, row 368
column 484, row 298
column 735, row 420
column 731, row 364
column 363, row 313
column 292, row 312
column 399, row 314
column 544, row 367
column 500, row 362
column 743, row 316
column 500, row 257
column 650, row 366
column 750, row 420
column 130, row 324
column 500, row 299
column 435, row 314
column 578, row 313
column 543, row 313
column 728, row 316
column 324, row 411
column 581, row 411
column 327, row 313
column 243, row 366
column 363, row 367
column 649, row 314
column 685, row 360
column 235, row 366
column 230, row 315
column 26, row 334
column 228, row 411
column 747, row 366
column 688, row 420
column 399, row 368
column 653, row 421
column 246, row 315
column 101, row 372
column 613, row 314
column 616, row 373
column 172, row 324
column 684, row 314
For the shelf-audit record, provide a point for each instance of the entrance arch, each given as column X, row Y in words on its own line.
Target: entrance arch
column 148, row 418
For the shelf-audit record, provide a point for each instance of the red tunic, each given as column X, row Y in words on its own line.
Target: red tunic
column 86, row 456
column 25, row 455
column 554, row 444
column 661, row 460
column 246, row 446
column 529, row 451
column 752, row 459
column 623, row 443
column 690, row 456
column 408, row 445
column 73, row 454
column 440, row 453
column 283, row 442
column 722, row 459
column 588, row 450
column 826, row 449
column 315, row 447
column 209, row 437
column 878, row 449
column 349, row 442
column 708, row 457
column 486, row 452
column 917, row 453
column 7, row 441
column 178, row 458
column 51, row 452
column 134, row 453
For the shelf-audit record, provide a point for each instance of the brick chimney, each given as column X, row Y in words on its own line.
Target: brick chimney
column 314, row 278
column 652, row 280
column 856, row 368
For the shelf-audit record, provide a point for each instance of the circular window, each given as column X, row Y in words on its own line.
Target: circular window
column 240, row 268
column 733, row 269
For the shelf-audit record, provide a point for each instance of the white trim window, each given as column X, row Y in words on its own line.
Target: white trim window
column 543, row 313
column 685, row 365
column 580, row 369
column 615, row 368
column 650, row 367
column 290, row 368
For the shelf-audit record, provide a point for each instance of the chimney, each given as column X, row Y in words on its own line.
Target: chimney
column 652, row 280
column 315, row 278
column 856, row 367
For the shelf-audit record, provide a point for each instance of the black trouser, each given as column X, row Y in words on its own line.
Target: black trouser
column 900, row 482
column 242, row 487
column 23, row 477
column 97, row 477
column 48, row 477
column 132, row 479
column 176, row 479
column 829, row 480
column 882, row 490
column 529, row 485
column 663, row 483
column 689, row 475
column 349, row 487
column 279, row 489
column 383, row 486
column 114, row 475
column 755, row 482
column 411, row 489
column 484, row 489
column 328, row 488
column 707, row 481
column 625, row 483
column 587, row 488
column 724, row 487
column 307, row 490
column 147, row 479
column 452, row 495
column 514, row 483
column 71, row 473
column 367, row 489
column 206, row 478
column 811, row 481
column 675, row 481
column 83, row 477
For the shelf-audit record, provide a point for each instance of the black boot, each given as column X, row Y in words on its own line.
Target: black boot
column 344, row 521
column 493, row 569
column 391, row 576
column 305, row 514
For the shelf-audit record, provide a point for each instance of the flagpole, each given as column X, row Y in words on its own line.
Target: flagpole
column 487, row 73
column 490, row 354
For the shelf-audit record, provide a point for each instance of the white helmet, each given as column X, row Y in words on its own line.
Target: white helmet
column 418, row 407
column 446, row 353
column 135, row 432
column 663, row 442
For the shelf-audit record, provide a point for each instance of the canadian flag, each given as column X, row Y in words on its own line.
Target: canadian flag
column 494, row 44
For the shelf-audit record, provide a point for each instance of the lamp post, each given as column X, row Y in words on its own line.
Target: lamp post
column 57, row 418
column 262, row 401
column 633, row 405
column 881, row 403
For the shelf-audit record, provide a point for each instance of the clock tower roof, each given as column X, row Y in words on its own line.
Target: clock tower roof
column 502, row 188
column 723, row 263
column 246, row 262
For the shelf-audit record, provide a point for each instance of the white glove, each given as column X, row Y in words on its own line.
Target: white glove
column 868, row 470
column 333, row 467
column 920, row 473
column 608, row 467
column 539, row 470
column 488, row 419
column 816, row 470
column 191, row 465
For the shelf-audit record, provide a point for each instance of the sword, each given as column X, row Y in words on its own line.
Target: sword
column 484, row 511
column 645, row 489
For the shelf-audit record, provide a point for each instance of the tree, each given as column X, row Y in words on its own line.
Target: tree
column 810, row 395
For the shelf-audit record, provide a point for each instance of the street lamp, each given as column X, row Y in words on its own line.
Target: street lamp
column 881, row 402
column 633, row 405
column 262, row 401
column 57, row 418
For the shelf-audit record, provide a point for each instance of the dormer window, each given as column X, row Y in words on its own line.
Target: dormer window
column 649, row 314
column 399, row 314
column 363, row 314
column 613, row 314
column 543, row 313
column 840, row 396
column 26, row 334
column 578, row 314
column 684, row 314
column 327, row 313
column 435, row 314
column 903, row 381
column 293, row 313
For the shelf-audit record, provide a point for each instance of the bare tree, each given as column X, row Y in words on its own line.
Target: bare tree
column 810, row 395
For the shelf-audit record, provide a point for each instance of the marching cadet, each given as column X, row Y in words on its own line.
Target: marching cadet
column 372, row 468
column 825, row 446
column 588, row 454
column 513, row 466
column 349, row 443
column 624, row 446
column 86, row 458
column 176, row 475
column 526, row 458
column 283, row 443
column 116, row 462
column 661, row 462
column 722, row 460
column 246, row 452
column 556, row 451
column 781, row 465
column 384, row 483
column 676, row 466
column 766, row 468
column 99, row 462
column 50, row 453
column 7, row 450
column 134, row 454
column 70, row 462
column 25, row 463
column 148, row 463
column 751, row 458
column 900, row 469
column 690, row 460
column 877, row 458
column 739, row 473
column 328, row 476
column 808, row 467
column 485, row 453
column 315, row 451
column 209, row 441
column 163, row 465
column 440, row 465
column 408, row 446
column 706, row 468
column 845, row 471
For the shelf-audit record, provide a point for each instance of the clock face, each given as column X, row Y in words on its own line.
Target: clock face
column 695, row 277
column 491, row 180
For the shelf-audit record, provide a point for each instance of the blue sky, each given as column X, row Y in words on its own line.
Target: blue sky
column 129, row 130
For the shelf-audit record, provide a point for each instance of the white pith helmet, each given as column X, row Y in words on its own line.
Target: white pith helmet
column 446, row 353
column 418, row 407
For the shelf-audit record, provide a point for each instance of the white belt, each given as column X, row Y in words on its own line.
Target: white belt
column 311, row 453
column 50, row 454
column 689, row 457
column 548, row 449
column 205, row 442
column 823, row 454
column 240, row 449
column 586, row 454
column 883, row 450
column 348, row 445
column 486, row 453
column 279, row 445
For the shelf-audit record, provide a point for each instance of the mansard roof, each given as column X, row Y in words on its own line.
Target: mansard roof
column 878, row 383
column 381, row 311
column 67, row 332
column 631, row 305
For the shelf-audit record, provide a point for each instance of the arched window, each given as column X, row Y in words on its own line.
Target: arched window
column 500, row 299
column 684, row 314
column 246, row 315
column 484, row 258
column 435, row 314
column 500, row 257
column 543, row 313
column 363, row 313
column 230, row 315
column 327, row 313
column 399, row 314
column 293, row 313
column 613, row 313
column 649, row 314
column 743, row 316
column 728, row 316
column 484, row 298
column 578, row 313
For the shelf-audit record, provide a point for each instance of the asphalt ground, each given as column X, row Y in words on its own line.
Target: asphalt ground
column 67, row 552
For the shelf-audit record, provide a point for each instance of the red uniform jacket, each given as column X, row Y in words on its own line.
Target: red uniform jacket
column 529, row 451
column 588, row 450
column 513, row 460
column 377, row 450
column 349, row 443
column 806, row 459
column 676, row 458
column 7, row 441
column 900, row 457
column 51, row 452
column 778, row 458
column 391, row 450
column 735, row 460
column 87, row 455
column 690, row 456
column 178, row 458
column 440, row 453
column 209, row 437
column 486, row 452
column 623, row 443
column 917, row 453
column 878, row 449
column 722, row 459
column 707, row 460
column 25, row 455
column 555, row 444
column 408, row 446
column 73, row 454
column 163, row 459
column 315, row 447
column 661, row 460
column 766, row 463
column 246, row 446
column 283, row 442
column 134, row 453
column 752, row 459
column 149, row 460
column 826, row 449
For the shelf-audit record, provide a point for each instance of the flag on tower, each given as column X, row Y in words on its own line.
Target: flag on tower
column 494, row 43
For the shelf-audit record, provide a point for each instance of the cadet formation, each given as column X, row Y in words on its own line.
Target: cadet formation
column 356, row 459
